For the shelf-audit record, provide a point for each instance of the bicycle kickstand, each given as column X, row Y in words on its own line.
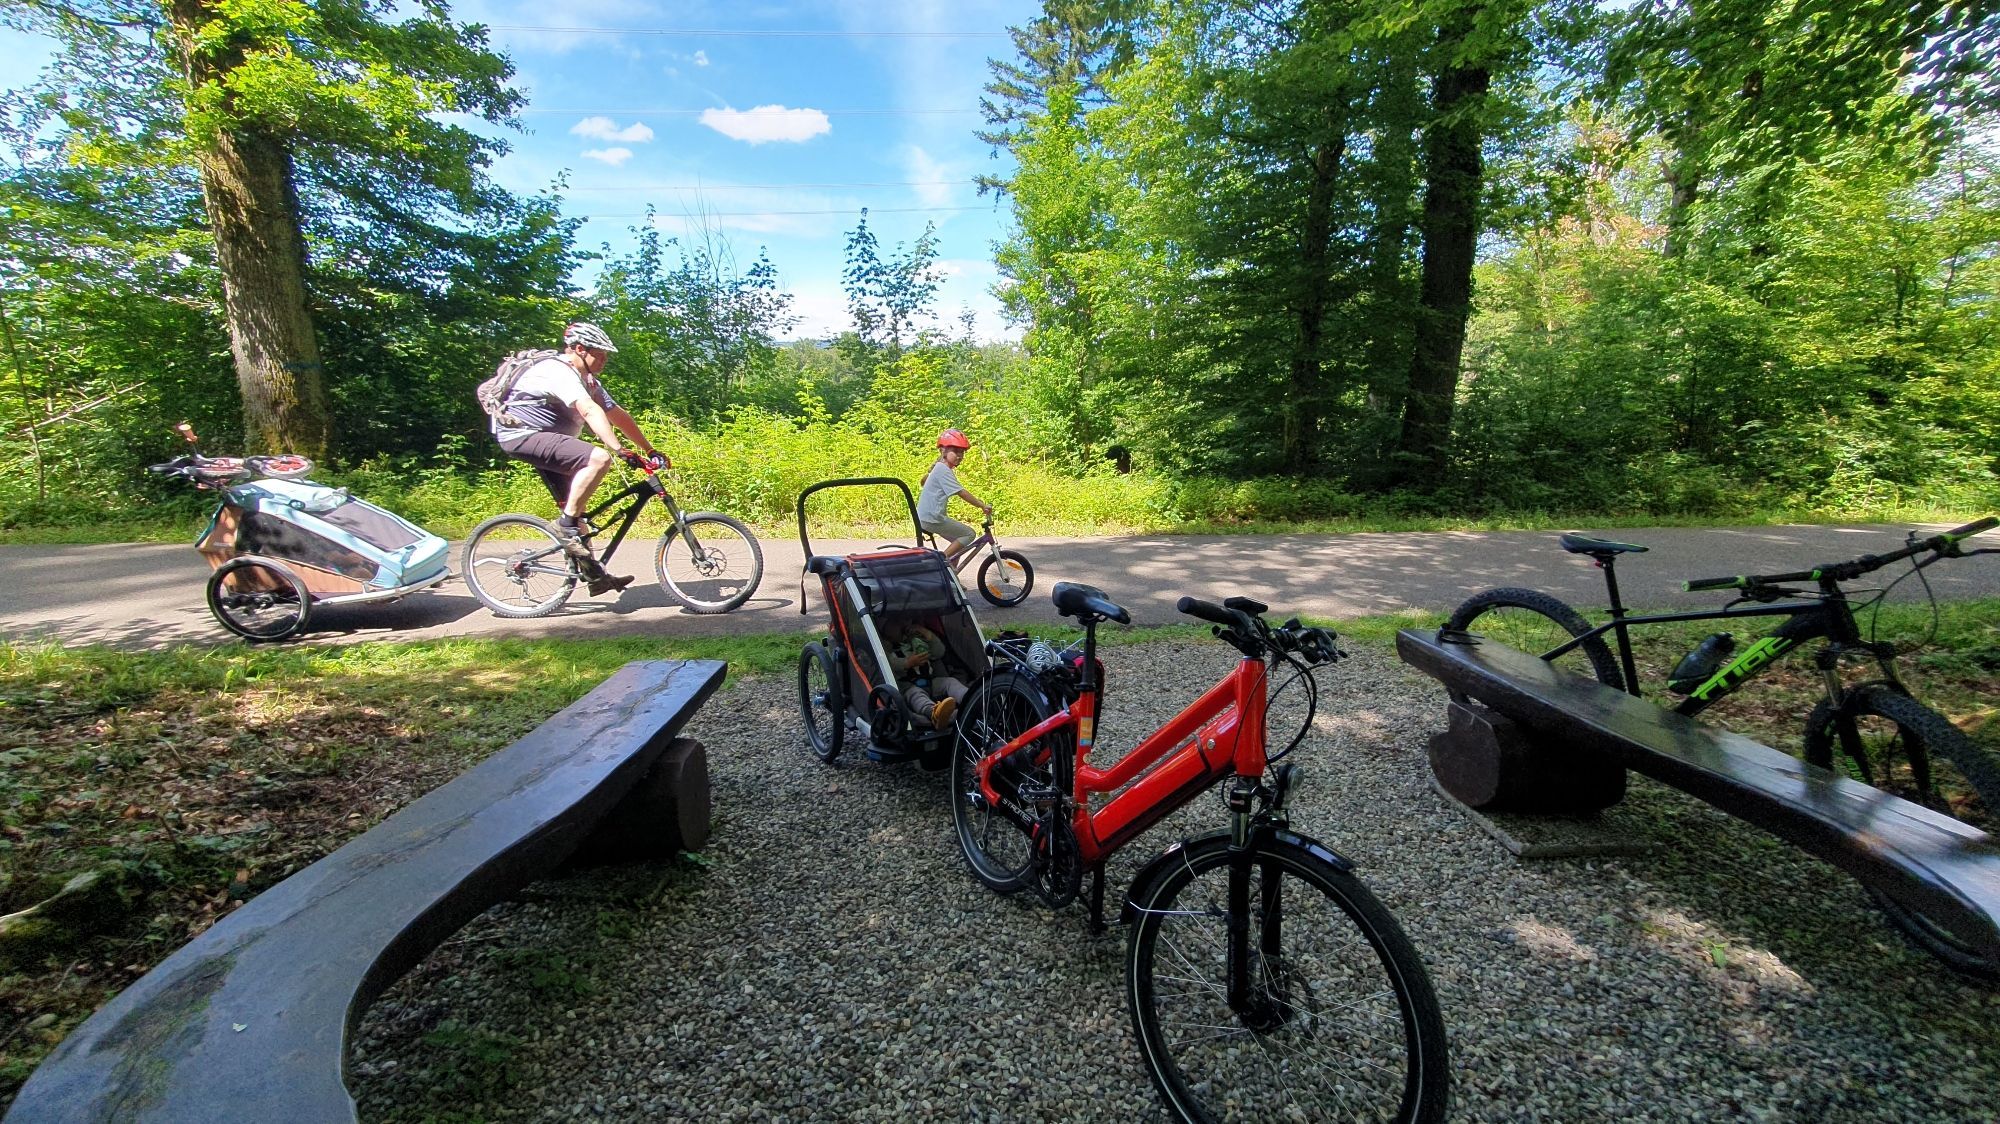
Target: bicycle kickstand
column 1097, row 925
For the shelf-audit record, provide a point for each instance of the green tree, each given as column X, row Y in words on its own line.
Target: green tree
column 282, row 107
column 888, row 298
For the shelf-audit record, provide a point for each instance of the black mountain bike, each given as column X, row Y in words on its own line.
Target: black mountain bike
column 518, row 566
column 1872, row 729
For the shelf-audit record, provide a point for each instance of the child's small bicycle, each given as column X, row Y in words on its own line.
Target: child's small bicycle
column 1005, row 577
column 1264, row 980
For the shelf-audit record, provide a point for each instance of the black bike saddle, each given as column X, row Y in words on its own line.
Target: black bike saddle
column 1584, row 544
column 1073, row 599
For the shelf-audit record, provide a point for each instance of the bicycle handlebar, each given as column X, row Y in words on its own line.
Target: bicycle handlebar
column 1239, row 620
column 1216, row 614
column 1944, row 543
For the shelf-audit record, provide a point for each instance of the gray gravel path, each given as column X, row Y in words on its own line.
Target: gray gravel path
column 829, row 958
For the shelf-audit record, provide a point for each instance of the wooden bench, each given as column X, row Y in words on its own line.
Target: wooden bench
column 1933, row 872
column 250, row 1020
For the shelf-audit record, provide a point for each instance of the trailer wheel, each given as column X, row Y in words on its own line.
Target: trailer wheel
column 259, row 598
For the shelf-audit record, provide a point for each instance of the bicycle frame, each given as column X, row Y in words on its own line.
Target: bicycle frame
column 639, row 492
column 1830, row 617
column 1220, row 734
column 985, row 542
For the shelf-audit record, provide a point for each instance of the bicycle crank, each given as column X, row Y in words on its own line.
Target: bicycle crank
column 1058, row 862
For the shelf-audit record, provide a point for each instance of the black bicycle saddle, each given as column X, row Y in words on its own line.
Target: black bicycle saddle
column 1081, row 601
column 1584, row 544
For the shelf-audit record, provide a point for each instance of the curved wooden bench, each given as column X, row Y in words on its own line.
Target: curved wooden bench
column 250, row 1020
column 1944, row 869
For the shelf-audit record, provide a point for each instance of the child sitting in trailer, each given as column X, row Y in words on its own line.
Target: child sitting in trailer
column 916, row 656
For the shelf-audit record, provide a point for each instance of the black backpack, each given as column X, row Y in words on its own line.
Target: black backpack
column 494, row 391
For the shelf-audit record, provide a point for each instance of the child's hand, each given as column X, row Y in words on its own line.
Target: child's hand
column 918, row 658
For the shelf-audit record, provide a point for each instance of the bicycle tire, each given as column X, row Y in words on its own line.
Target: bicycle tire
column 726, row 573
column 1006, row 578
column 1927, row 738
column 516, row 566
column 259, row 599
column 822, row 702
column 281, row 466
column 1295, row 1055
column 1536, row 622
column 996, row 845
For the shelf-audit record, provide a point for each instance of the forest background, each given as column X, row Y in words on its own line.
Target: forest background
column 1274, row 261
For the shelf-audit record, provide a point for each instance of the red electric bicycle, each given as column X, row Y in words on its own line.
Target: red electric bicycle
column 1264, row 980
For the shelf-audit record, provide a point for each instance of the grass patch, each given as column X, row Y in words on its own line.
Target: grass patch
column 195, row 778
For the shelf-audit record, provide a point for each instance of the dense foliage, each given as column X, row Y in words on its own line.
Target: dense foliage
column 1288, row 259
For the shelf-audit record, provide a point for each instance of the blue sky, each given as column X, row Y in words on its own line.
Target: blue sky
column 776, row 121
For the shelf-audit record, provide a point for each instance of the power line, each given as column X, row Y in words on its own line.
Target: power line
column 769, row 186
column 776, row 214
column 740, row 33
column 761, row 111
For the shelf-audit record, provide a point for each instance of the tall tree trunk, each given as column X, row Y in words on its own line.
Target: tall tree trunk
column 1307, row 389
column 246, row 185
column 1453, row 171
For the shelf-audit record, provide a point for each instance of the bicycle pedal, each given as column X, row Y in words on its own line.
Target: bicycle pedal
column 1037, row 794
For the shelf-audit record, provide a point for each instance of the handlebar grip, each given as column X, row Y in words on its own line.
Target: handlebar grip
column 1699, row 585
column 1970, row 529
column 1214, row 614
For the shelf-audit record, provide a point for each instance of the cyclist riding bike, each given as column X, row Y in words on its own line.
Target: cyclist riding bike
column 552, row 402
column 940, row 485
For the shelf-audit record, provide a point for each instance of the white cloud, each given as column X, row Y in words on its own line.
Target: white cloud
column 930, row 177
column 767, row 123
column 605, row 129
column 701, row 58
column 611, row 156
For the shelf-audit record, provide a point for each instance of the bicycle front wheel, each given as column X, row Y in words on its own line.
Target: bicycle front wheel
column 1338, row 1021
column 996, row 838
column 1537, row 623
column 1904, row 747
column 516, row 566
column 714, row 568
column 1006, row 578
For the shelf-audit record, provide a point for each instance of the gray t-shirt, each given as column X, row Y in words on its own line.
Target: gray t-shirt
column 940, row 484
column 545, row 398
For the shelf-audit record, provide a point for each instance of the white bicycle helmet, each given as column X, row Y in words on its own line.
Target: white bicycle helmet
column 589, row 335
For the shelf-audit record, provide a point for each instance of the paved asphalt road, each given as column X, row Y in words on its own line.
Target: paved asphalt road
column 149, row 595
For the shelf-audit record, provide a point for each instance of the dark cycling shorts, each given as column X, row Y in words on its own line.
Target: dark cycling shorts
column 556, row 458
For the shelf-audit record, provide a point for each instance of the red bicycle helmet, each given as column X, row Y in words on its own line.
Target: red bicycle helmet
column 953, row 439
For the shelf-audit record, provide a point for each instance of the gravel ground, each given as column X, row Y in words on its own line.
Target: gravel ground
column 829, row 958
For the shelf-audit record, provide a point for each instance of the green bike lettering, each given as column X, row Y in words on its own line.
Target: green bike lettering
column 1743, row 667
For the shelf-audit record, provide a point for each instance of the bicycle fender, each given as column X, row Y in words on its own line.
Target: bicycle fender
column 1146, row 882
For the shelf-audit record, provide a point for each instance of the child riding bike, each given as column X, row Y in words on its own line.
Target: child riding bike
column 940, row 485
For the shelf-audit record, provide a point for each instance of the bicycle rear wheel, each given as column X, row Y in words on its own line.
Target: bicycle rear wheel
column 1537, row 623
column 516, row 566
column 715, row 574
column 996, row 839
column 1339, row 1023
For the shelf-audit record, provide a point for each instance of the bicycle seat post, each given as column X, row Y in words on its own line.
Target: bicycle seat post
column 1607, row 561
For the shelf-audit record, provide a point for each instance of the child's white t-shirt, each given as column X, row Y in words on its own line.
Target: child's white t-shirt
column 940, row 484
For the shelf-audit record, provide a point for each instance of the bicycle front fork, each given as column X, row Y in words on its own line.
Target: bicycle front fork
column 1250, row 805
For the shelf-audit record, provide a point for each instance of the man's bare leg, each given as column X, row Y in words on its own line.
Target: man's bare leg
column 585, row 482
